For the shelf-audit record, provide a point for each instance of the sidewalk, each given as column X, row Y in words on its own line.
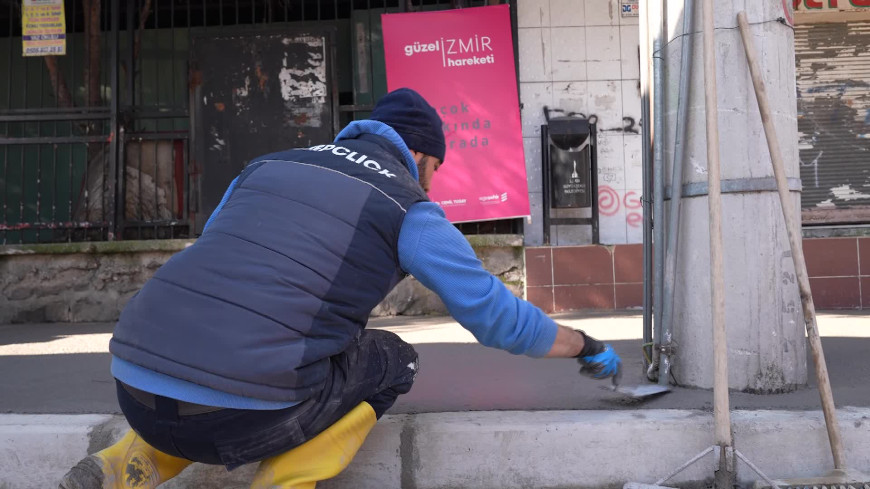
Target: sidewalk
column 476, row 418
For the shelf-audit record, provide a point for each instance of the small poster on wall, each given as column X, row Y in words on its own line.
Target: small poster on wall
column 43, row 28
column 630, row 8
column 462, row 62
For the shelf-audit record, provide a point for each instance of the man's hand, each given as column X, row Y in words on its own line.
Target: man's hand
column 597, row 359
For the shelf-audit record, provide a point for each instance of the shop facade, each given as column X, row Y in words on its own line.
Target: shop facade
column 125, row 137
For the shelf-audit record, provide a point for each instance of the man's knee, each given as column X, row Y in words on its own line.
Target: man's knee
column 407, row 354
column 401, row 358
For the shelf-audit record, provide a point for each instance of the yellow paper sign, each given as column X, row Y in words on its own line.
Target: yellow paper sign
column 44, row 28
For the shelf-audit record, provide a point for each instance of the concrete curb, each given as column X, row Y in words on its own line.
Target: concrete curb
column 488, row 450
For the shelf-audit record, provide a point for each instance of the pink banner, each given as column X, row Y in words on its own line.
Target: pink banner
column 462, row 61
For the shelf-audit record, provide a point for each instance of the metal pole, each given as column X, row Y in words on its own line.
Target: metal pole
column 9, row 82
column 174, row 103
column 545, row 185
column 6, row 132
column 724, row 477
column 793, row 227
column 596, row 232
column 645, row 158
column 131, row 62
column 676, row 189
column 116, row 170
column 658, row 172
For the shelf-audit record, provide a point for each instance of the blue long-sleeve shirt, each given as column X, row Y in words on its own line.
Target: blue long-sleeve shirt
column 435, row 253
column 438, row 255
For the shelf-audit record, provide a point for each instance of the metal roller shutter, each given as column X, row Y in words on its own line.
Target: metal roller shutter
column 833, row 83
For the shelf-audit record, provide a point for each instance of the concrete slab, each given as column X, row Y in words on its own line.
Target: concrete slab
column 489, row 450
column 34, row 448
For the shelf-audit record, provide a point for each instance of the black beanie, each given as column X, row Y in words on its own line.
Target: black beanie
column 417, row 122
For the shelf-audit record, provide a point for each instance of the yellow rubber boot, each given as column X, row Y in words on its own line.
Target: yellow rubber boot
column 321, row 457
column 129, row 464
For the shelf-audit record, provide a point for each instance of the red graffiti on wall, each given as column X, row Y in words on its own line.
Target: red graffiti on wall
column 632, row 200
column 633, row 217
column 608, row 201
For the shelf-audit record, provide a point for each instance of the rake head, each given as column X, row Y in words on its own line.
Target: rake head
column 838, row 479
column 823, row 485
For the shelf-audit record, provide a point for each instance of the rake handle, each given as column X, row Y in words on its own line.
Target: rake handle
column 792, row 225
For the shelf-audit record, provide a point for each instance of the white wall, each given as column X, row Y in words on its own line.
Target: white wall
column 582, row 56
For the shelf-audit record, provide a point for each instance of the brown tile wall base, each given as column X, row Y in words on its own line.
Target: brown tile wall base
column 865, row 292
column 610, row 277
column 628, row 264
column 539, row 267
column 835, row 292
column 629, row 296
column 835, row 266
column 831, row 257
column 582, row 265
column 864, row 258
column 541, row 297
column 574, row 297
column 571, row 278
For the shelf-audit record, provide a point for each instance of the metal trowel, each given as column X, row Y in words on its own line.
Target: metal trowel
column 636, row 391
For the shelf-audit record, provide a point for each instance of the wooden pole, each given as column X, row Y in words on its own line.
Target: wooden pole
column 793, row 227
column 724, row 477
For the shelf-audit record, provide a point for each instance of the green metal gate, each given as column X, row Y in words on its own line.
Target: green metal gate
column 95, row 145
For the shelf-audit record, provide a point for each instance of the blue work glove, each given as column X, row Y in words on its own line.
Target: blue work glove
column 597, row 359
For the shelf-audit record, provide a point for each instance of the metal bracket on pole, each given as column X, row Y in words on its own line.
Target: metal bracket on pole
column 725, row 473
column 665, row 352
column 668, row 349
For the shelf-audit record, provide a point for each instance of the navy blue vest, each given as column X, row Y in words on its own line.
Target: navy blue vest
column 284, row 277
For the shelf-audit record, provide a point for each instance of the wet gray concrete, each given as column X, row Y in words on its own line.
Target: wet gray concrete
column 64, row 369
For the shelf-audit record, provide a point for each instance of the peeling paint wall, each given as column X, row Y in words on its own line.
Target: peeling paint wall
column 833, row 70
column 582, row 58
column 258, row 93
column 305, row 82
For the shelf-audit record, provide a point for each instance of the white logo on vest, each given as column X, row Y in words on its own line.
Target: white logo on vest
column 359, row 159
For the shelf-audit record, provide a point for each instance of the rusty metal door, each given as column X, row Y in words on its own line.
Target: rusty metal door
column 256, row 93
